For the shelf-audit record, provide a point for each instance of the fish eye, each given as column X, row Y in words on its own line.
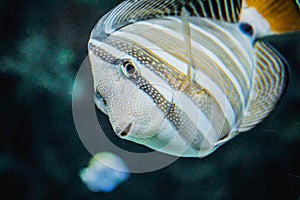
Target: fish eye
column 128, row 68
column 246, row 28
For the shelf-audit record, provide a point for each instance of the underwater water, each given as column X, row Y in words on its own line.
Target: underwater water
column 43, row 44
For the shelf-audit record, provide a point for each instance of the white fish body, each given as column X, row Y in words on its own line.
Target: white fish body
column 184, row 85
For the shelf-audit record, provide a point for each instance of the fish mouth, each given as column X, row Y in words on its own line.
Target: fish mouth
column 126, row 131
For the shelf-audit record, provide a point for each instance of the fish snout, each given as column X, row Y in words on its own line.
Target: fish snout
column 123, row 132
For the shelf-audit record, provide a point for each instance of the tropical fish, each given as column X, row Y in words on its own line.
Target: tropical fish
column 104, row 173
column 185, row 76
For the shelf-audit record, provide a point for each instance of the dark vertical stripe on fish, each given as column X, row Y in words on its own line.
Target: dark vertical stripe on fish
column 176, row 79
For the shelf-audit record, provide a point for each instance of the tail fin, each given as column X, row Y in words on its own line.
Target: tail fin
column 282, row 15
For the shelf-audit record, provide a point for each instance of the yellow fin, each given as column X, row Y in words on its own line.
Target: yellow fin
column 282, row 15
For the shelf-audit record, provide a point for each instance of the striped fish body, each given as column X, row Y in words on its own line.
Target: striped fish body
column 184, row 92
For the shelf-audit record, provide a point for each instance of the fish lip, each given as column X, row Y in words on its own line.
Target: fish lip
column 126, row 131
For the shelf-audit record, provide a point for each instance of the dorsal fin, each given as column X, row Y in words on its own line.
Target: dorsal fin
column 188, row 44
column 270, row 81
column 130, row 11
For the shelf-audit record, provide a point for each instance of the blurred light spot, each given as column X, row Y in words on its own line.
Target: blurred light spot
column 33, row 48
column 65, row 56
column 104, row 173
column 41, row 64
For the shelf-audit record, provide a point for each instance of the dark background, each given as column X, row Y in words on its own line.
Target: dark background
column 42, row 46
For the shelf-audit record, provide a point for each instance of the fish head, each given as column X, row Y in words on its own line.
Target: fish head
column 120, row 93
column 141, row 93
